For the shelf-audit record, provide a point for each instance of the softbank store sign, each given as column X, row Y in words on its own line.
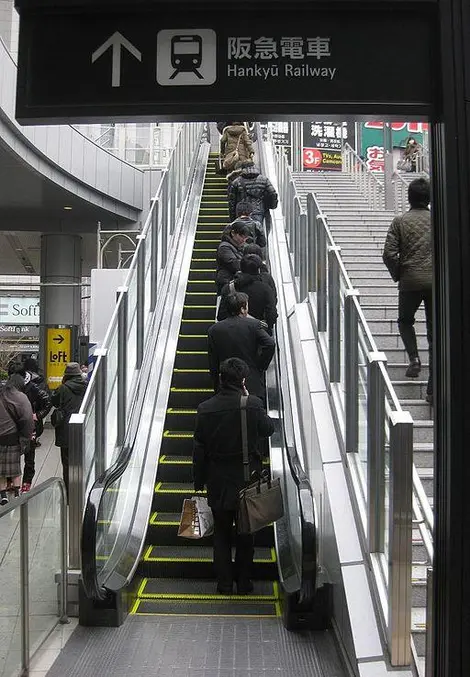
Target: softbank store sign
column 19, row 310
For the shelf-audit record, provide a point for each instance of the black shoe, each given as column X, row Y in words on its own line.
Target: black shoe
column 3, row 498
column 225, row 589
column 414, row 368
column 245, row 587
column 429, row 399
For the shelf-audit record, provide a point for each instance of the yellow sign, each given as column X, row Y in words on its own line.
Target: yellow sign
column 57, row 356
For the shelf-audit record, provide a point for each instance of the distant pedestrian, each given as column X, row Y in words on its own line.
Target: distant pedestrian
column 235, row 146
column 67, row 398
column 408, row 257
column 218, row 464
column 252, row 186
column 230, row 252
column 16, row 430
column 264, row 270
column 243, row 337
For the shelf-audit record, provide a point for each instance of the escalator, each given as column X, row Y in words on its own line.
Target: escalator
column 162, row 574
column 177, row 574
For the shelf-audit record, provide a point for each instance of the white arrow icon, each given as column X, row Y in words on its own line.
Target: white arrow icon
column 116, row 41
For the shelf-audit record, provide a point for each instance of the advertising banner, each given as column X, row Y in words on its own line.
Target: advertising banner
column 322, row 145
column 372, row 139
column 19, row 310
column 282, row 136
column 57, row 355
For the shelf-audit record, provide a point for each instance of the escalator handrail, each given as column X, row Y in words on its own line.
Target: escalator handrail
column 93, row 588
column 306, row 499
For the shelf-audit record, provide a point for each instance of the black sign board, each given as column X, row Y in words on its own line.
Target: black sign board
column 126, row 64
column 323, row 142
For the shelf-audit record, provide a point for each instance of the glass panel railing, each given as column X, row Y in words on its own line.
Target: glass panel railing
column 33, row 559
column 111, row 395
column 376, row 433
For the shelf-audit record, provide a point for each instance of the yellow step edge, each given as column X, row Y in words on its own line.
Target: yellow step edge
column 274, row 596
column 192, row 336
column 190, row 412
column 164, row 461
column 211, row 306
column 148, row 558
column 154, row 523
column 191, row 352
column 192, row 390
column 136, row 612
column 191, row 371
column 177, row 436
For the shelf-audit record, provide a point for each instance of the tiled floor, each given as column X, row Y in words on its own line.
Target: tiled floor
column 44, row 558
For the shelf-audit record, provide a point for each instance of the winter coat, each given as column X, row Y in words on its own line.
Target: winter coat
column 235, row 137
column 229, row 255
column 254, row 187
column 257, row 235
column 68, row 397
column 268, row 278
column 407, row 251
column 241, row 337
column 261, row 303
column 217, row 451
column 16, row 416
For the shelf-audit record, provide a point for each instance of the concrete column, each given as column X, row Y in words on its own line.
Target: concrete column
column 61, row 264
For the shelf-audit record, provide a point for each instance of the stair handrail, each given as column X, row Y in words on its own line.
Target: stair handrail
column 400, row 189
column 320, row 274
column 364, row 178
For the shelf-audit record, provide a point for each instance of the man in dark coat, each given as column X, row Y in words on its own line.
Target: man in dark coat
column 240, row 336
column 260, row 295
column 251, row 185
column 218, row 463
column 264, row 270
column 36, row 392
column 68, row 398
column 230, row 252
column 244, row 211
column 408, row 257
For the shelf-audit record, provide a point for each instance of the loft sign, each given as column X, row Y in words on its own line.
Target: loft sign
column 121, row 63
column 292, row 57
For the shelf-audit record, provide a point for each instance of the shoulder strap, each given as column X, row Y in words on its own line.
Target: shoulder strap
column 231, row 287
column 239, row 139
column 246, row 460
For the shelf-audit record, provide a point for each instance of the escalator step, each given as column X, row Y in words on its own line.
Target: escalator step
column 204, row 263
column 229, row 608
column 199, row 327
column 192, row 342
column 165, row 588
column 201, row 286
column 191, row 378
column 180, row 419
column 199, row 312
column 189, row 397
column 199, row 553
column 187, row 359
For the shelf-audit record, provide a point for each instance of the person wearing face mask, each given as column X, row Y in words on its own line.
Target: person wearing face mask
column 230, row 252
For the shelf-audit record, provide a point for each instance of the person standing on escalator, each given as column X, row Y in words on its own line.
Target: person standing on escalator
column 218, row 464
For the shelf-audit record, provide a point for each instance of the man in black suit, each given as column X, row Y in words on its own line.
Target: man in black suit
column 243, row 337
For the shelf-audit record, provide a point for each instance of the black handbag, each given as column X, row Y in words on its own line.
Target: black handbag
column 260, row 501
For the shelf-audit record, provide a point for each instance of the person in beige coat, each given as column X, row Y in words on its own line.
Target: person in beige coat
column 235, row 146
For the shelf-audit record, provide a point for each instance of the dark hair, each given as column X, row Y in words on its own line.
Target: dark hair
column 235, row 302
column 30, row 364
column 244, row 207
column 15, row 382
column 233, row 371
column 247, row 163
column 240, row 228
column 253, row 248
column 16, row 368
column 250, row 264
column 419, row 193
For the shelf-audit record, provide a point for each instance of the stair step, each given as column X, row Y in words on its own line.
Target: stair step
column 243, row 607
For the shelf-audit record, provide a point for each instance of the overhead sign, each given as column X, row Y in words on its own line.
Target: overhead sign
column 58, row 345
column 282, row 136
column 118, row 62
column 19, row 309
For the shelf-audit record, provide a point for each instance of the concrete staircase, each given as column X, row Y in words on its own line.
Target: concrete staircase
column 361, row 232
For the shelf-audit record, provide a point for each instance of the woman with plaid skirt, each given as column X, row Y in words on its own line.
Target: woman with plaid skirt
column 16, row 429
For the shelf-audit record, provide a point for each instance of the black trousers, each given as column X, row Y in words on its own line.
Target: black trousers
column 408, row 304
column 227, row 571
column 64, row 457
column 29, row 469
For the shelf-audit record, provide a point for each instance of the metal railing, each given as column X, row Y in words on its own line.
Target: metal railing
column 366, row 181
column 376, row 434
column 400, row 191
column 98, row 431
column 33, row 530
